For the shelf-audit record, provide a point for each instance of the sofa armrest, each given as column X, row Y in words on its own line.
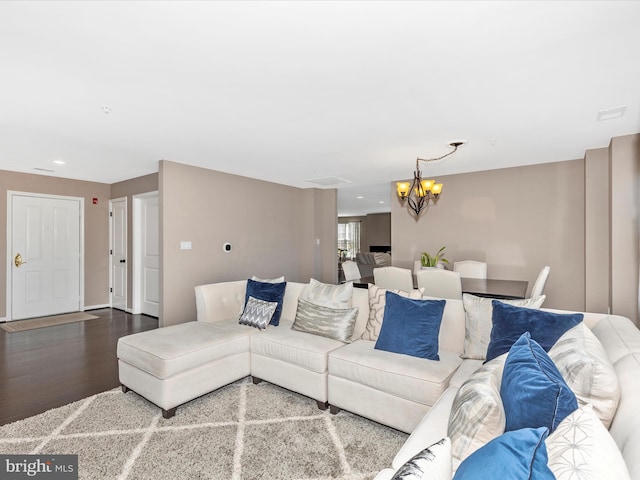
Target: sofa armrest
column 432, row 428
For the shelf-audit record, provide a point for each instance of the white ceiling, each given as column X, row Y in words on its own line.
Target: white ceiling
column 292, row 91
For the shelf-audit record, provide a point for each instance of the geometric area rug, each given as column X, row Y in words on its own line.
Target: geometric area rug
column 241, row 432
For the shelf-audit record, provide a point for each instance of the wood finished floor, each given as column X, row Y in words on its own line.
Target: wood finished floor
column 50, row 367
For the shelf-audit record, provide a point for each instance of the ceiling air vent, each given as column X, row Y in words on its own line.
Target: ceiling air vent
column 611, row 113
column 327, row 181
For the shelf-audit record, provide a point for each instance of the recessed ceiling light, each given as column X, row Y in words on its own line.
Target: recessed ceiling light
column 381, row 202
column 611, row 113
column 106, row 109
column 59, row 162
column 360, row 197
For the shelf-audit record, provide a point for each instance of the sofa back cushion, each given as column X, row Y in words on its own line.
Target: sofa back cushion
column 220, row 301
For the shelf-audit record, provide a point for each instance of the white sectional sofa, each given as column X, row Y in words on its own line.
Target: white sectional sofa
column 173, row 365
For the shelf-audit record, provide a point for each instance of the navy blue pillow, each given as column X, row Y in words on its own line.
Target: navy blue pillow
column 411, row 326
column 269, row 292
column 533, row 392
column 513, row 455
column 510, row 322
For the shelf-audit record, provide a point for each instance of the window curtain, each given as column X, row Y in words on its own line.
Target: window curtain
column 348, row 240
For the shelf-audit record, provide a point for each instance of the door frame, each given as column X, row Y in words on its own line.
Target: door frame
column 136, row 291
column 126, row 248
column 10, row 195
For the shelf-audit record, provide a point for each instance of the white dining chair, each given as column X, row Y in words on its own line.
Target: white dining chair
column 417, row 266
column 470, row 269
column 351, row 270
column 393, row 278
column 541, row 281
column 440, row 283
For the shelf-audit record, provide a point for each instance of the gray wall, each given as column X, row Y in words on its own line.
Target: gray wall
column 127, row 189
column 96, row 228
column 378, row 229
column 274, row 230
column 515, row 219
column 624, row 160
column 375, row 229
column 580, row 217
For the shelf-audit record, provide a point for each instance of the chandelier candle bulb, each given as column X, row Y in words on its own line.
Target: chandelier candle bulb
column 403, row 189
column 437, row 189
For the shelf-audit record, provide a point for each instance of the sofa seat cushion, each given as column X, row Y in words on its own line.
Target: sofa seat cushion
column 415, row 379
column 297, row 348
column 167, row 351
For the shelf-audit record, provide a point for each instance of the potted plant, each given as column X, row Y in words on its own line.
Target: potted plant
column 429, row 260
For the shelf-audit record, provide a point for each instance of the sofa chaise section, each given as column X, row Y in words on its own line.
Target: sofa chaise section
column 173, row 365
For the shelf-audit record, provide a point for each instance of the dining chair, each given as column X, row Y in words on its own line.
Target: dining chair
column 440, row 283
column 394, row 278
column 351, row 270
column 470, row 269
column 541, row 281
column 417, row 266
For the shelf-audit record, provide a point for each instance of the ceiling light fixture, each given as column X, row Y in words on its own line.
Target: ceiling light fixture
column 418, row 193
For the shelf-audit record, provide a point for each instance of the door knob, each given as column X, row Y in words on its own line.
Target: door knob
column 18, row 260
column 122, row 261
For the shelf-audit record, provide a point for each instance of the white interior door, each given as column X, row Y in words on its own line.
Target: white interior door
column 119, row 253
column 45, row 255
column 149, row 256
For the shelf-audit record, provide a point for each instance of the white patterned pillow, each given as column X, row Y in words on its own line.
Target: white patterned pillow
column 478, row 323
column 336, row 323
column 268, row 280
column 432, row 463
column 585, row 366
column 377, row 302
column 257, row 313
column 477, row 415
column 582, row 448
column 328, row 295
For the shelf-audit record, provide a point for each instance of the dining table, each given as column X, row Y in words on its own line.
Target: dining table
column 480, row 287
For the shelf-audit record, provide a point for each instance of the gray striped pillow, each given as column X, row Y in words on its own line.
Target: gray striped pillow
column 477, row 415
column 585, row 366
column 328, row 295
column 336, row 323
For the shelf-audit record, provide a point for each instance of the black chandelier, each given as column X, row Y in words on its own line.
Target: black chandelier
column 418, row 193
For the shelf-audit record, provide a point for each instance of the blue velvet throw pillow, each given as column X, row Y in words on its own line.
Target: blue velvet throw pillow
column 518, row 455
column 269, row 292
column 533, row 392
column 411, row 326
column 509, row 322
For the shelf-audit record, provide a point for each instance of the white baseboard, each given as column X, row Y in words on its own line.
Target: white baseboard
column 96, row 307
column 3, row 319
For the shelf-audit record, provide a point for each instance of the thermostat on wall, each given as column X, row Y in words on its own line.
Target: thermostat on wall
column 226, row 247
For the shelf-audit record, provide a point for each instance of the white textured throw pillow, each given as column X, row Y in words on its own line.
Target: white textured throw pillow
column 268, row 280
column 585, row 366
column 377, row 302
column 582, row 448
column 328, row 295
column 478, row 313
column 257, row 313
column 477, row 415
column 432, row 463
column 336, row 323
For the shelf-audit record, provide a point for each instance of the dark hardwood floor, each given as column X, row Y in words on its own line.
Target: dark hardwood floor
column 50, row 367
